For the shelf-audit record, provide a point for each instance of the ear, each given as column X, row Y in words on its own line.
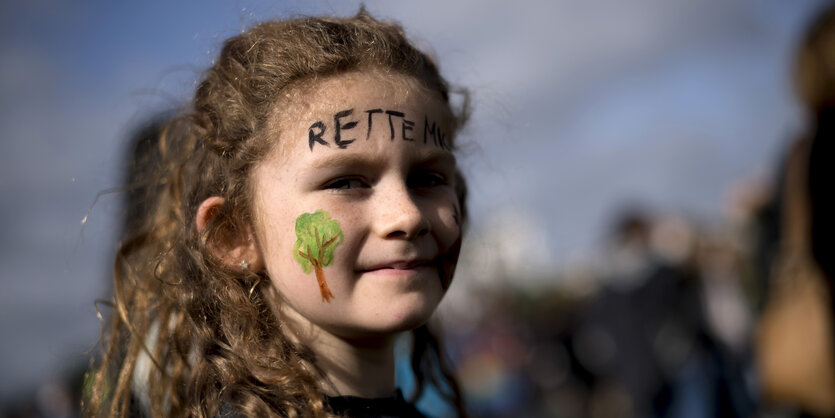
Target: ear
column 230, row 247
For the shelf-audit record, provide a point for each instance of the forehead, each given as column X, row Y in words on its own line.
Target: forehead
column 356, row 104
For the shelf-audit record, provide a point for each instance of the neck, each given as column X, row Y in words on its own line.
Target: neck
column 356, row 367
column 359, row 366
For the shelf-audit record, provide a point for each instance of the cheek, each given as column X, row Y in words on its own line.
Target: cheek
column 272, row 233
column 448, row 232
column 278, row 251
column 287, row 271
column 276, row 237
column 448, row 221
column 353, row 226
column 451, row 243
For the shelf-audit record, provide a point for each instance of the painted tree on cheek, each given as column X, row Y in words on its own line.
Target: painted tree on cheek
column 317, row 237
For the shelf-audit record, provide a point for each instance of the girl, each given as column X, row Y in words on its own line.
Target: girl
column 303, row 212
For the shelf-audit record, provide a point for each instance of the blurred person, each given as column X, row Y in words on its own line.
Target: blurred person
column 648, row 341
column 143, row 160
column 796, row 334
column 642, row 327
column 217, row 310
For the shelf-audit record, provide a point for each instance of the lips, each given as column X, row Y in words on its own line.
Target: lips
column 400, row 265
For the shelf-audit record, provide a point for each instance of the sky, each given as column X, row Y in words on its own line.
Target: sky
column 580, row 107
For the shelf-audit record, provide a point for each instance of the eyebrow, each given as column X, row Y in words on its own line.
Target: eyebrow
column 363, row 160
column 343, row 160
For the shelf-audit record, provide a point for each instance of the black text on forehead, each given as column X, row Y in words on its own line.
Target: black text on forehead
column 348, row 125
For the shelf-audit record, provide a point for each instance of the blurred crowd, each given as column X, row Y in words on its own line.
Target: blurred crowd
column 676, row 316
column 662, row 326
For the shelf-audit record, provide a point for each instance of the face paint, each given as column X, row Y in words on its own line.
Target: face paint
column 317, row 237
column 399, row 127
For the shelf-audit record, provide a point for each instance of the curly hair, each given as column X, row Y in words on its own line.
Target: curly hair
column 190, row 336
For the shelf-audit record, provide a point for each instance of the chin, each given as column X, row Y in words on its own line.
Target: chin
column 400, row 317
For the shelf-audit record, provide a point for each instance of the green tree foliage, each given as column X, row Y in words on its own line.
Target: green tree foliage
column 317, row 237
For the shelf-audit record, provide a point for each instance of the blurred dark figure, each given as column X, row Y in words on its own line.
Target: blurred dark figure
column 61, row 396
column 142, row 161
column 639, row 326
column 796, row 335
column 645, row 344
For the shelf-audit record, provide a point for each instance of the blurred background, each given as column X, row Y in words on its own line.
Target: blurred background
column 620, row 156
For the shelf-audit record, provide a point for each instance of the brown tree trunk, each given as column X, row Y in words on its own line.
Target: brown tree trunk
column 323, row 285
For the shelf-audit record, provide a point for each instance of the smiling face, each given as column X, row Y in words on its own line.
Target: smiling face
column 366, row 155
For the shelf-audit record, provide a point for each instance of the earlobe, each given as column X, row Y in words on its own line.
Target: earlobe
column 235, row 248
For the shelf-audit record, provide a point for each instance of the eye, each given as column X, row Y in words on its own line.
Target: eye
column 346, row 184
column 426, row 179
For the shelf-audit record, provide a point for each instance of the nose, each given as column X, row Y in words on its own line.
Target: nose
column 400, row 215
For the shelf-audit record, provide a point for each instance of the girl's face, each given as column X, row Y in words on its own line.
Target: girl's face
column 357, row 220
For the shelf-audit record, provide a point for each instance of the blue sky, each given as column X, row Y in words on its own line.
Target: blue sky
column 580, row 107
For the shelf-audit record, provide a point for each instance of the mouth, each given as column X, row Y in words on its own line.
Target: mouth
column 396, row 267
